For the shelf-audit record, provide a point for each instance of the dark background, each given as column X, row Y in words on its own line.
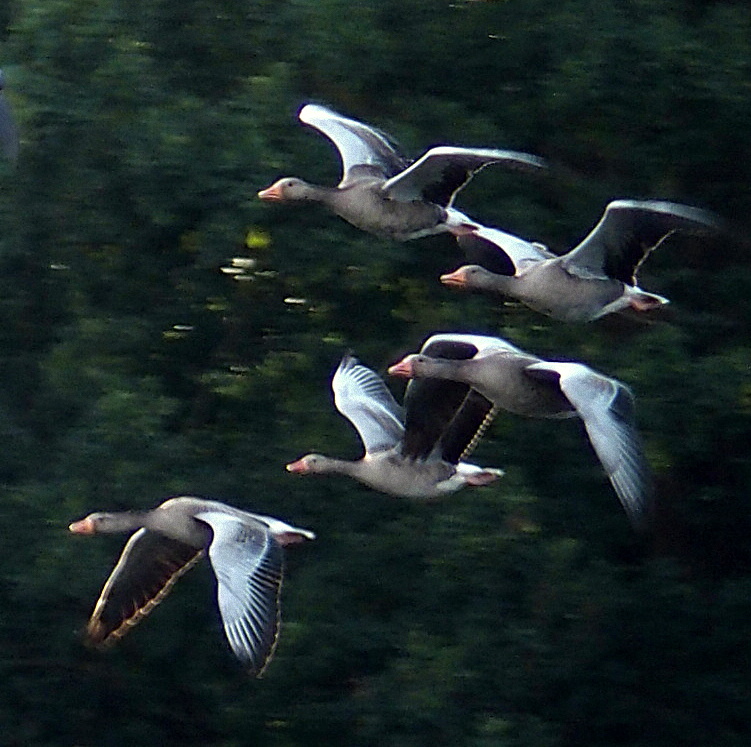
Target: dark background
column 524, row 614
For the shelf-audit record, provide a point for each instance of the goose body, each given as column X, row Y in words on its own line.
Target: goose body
column 380, row 191
column 530, row 386
column 596, row 278
column 412, row 453
column 245, row 551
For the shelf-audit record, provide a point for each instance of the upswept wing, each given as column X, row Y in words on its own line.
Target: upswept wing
column 249, row 566
column 358, row 144
column 607, row 409
column 442, row 171
column 145, row 573
column 628, row 232
column 364, row 399
column 500, row 252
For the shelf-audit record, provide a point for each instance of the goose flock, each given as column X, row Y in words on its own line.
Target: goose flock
column 458, row 382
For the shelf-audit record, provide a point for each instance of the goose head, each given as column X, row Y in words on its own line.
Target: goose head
column 472, row 277
column 288, row 189
column 104, row 523
column 309, row 464
column 417, row 366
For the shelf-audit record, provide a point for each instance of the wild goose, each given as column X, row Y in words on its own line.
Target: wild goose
column 381, row 191
column 596, row 278
column 8, row 129
column 527, row 385
column 412, row 454
column 246, row 554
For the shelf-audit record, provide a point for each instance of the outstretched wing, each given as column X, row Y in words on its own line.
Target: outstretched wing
column 442, row 171
column 606, row 408
column 364, row 399
column 626, row 234
column 249, row 566
column 500, row 252
column 148, row 568
column 360, row 146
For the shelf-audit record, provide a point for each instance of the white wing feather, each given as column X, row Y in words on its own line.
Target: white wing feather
column 248, row 564
column 358, row 144
column 604, row 406
column 364, row 399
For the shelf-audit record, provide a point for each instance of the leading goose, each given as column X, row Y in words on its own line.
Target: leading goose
column 246, row 553
column 417, row 454
column 596, row 278
column 381, row 191
column 527, row 385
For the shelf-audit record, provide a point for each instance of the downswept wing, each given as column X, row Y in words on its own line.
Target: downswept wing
column 607, row 409
column 444, row 417
column 364, row 399
column 359, row 145
column 145, row 573
column 627, row 233
column 500, row 252
column 467, row 427
column 442, row 171
column 249, row 567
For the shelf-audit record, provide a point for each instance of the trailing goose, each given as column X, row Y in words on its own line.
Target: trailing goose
column 596, row 278
column 381, row 191
column 417, row 453
column 527, row 385
column 246, row 554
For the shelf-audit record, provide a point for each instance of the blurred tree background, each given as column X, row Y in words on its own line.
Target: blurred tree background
column 523, row 614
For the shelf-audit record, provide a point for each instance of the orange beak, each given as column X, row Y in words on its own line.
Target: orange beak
column 454, row 278
column 271, row 194
column 297, row 467
column 85, row 526
column 403, row 369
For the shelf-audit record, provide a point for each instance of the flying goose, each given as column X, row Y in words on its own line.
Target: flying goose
column 246, row 554
column 596, row 278
column 417, row 453
column 384, row 193
column 527, row 385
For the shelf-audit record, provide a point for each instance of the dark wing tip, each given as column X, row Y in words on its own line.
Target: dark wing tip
column 98, row 636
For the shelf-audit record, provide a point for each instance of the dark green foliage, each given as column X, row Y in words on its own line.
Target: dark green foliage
column 524, row 614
